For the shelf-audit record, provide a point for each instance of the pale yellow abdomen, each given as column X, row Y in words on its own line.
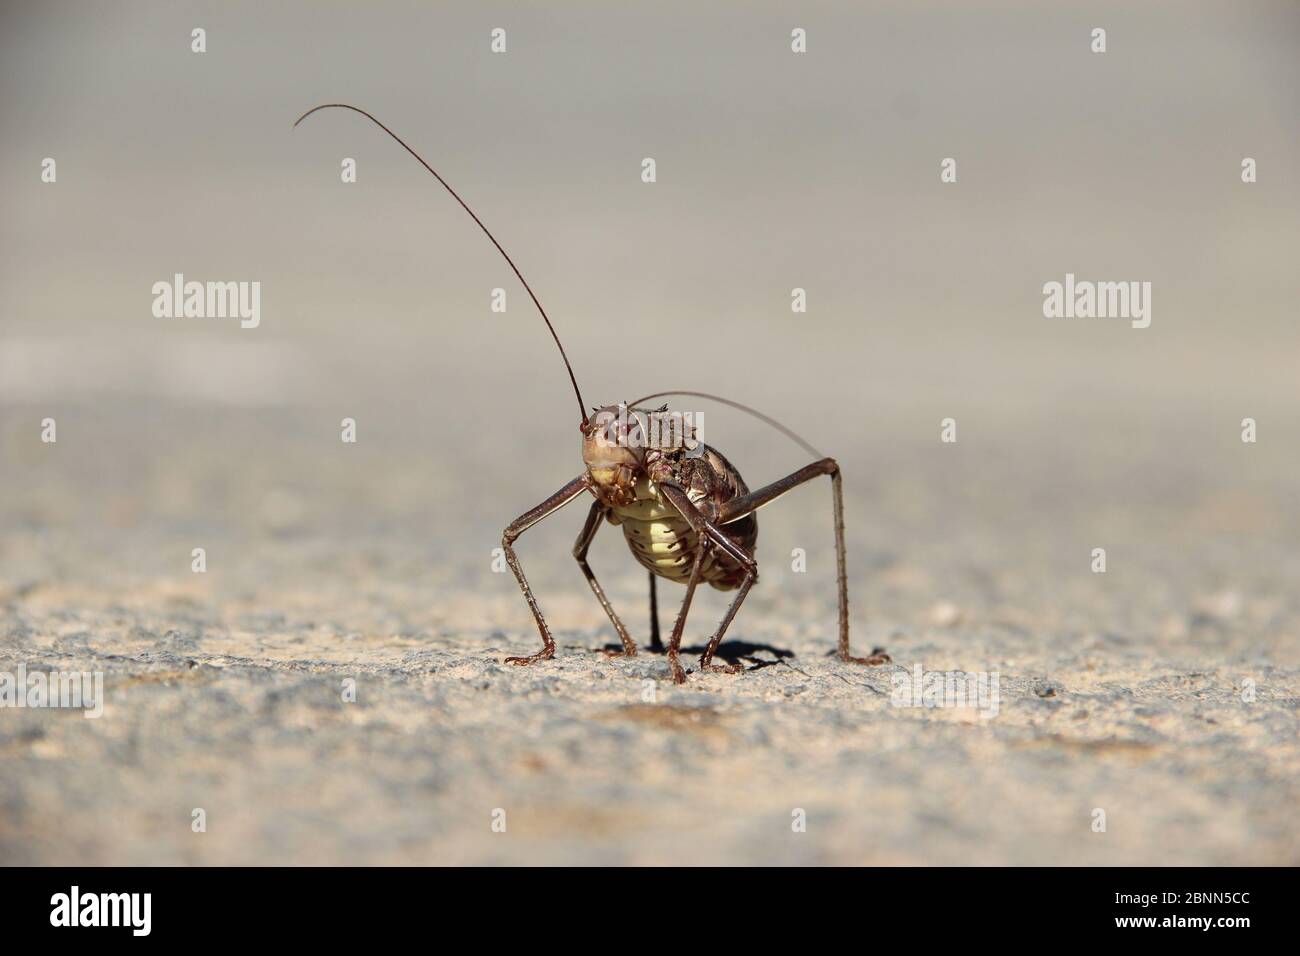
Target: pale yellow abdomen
column 663, row 542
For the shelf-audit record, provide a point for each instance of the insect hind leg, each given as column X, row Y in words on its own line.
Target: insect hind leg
column 744, row 505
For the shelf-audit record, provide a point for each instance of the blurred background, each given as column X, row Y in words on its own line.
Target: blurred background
column 774, row 171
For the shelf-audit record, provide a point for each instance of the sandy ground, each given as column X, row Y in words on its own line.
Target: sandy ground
column 1163, row 692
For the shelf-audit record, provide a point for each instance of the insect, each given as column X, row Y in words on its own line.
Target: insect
column 685, row 511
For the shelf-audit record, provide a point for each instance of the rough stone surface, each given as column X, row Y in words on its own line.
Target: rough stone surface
column 1128, row 692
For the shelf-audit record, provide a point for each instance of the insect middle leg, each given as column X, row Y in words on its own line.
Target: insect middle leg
column 706, row 659
column 737, row 508
column 655, row 643
column 580, row 547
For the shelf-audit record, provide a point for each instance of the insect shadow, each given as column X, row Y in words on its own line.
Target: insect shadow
column 733, row 652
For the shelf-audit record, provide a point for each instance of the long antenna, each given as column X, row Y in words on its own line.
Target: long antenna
column 464, row 205
column 744, row 408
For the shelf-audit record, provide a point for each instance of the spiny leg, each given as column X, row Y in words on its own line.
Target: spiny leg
column 675, row 641
column 513, row 530
column 706, row 660
column 705, row 527
column 580, row 547
column 655, row 643
column 878, row 657
column 712, row 535
column 747, row 504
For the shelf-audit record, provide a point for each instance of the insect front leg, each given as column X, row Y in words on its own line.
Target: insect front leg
column 517, row 527
column 737, row 508
column 594, row 518
column 713, row 536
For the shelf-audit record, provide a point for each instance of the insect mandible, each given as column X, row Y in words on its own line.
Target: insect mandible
column 685, row 511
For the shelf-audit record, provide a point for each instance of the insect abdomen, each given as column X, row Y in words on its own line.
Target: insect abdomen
column 663, row 542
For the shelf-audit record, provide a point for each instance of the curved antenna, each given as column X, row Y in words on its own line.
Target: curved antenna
column 788, row 433
column 464, row 205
